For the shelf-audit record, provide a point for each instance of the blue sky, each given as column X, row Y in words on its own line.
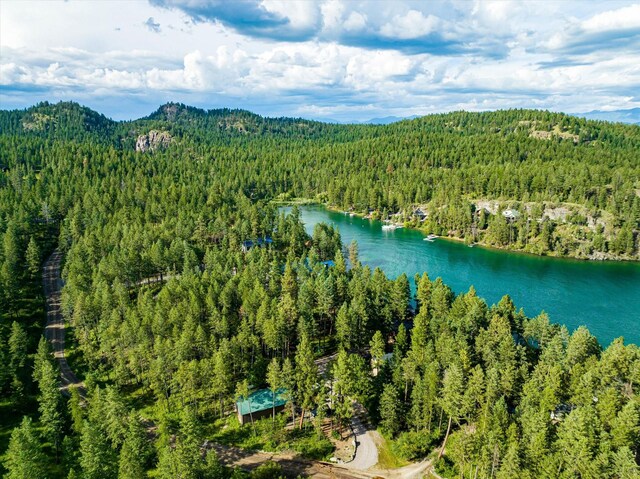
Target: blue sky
column 328, row 59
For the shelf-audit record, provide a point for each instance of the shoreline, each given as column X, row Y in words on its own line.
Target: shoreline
column 335, row 209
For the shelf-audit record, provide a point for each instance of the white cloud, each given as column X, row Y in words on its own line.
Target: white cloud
column 351, row 67
column 301, row 14
column 622, row 18
column 332, row 12
column 411, row 25
column 356, row 21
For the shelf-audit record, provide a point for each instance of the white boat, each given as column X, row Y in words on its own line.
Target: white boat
column 388, row 227
column 430, row 238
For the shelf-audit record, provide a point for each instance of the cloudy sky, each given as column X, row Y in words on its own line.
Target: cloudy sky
column 326, row 59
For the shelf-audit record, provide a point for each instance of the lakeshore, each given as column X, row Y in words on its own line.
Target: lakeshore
column 604, row 296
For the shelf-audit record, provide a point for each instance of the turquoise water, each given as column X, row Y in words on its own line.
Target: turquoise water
column 605, row 297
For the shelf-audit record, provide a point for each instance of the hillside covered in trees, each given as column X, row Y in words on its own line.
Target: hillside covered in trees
column 573, row 183
column 483, row 390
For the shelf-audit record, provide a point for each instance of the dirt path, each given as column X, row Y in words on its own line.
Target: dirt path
column 292, row 465
column 54, row 330
column 413, row 471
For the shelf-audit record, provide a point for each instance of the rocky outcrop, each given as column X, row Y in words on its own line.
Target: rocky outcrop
column 153, row 140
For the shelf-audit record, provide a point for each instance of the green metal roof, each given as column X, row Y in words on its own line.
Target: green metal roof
column 262, row 399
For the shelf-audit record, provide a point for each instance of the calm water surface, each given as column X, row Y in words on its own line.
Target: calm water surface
column 605, row 297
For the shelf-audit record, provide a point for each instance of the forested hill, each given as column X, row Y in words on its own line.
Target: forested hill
column 574, row 183
column 69, row 120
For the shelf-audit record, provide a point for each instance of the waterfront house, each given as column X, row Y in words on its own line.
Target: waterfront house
column 420, row 214
column 511, row 214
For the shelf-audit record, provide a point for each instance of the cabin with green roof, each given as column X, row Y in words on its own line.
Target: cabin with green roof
column 260, row 404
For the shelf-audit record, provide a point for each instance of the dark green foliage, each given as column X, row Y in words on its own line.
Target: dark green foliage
column 169, row 313
column 50, row 405
column 390, row 410
column 97, row 459
column 24, row 458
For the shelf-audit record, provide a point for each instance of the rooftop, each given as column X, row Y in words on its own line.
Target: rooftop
column 262, row 399
column 257, row 242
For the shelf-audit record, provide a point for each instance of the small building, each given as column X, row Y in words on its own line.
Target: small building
column 260, row 242
column 511, row 214
column 386, row 358
column 420, row 214
column 260, row 404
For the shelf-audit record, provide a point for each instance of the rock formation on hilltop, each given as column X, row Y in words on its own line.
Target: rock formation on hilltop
column 153, row 140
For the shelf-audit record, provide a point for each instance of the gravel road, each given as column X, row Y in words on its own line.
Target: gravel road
column 54, row 330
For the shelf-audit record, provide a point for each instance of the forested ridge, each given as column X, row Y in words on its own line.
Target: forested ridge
column 573, row 183
column 482, row 390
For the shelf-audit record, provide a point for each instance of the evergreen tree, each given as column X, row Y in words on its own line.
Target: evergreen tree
column 377, row 351
column 134, row 453
column 18, row 344
column 452, row 395
column 24, row 458
column 32, row 257
column 97, row 459
column 306, row 377
column 288, row 376
column 76, row 411
column 244, row 394
column 390, row 410
column 44, row 354
column 9, row 269
column 50, row 405
column 274, row 380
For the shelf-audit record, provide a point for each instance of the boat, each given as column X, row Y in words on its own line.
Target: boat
column 352, row 214
column 430, row 238
column 389, row 227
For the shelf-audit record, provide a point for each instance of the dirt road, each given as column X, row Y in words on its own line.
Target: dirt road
column 291, row 465
column 366, row 449
column 54, row 330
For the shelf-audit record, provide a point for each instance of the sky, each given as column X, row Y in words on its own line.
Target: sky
column 341, row 60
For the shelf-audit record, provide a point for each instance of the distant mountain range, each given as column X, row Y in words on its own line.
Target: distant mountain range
column 385, row 120
column 631, row 116
column 622, row 116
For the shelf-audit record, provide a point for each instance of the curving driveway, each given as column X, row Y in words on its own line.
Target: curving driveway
column 366, row 449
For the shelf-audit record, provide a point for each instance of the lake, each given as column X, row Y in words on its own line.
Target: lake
column 604, row 296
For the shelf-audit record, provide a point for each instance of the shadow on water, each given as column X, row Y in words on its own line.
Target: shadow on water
column 604, row 296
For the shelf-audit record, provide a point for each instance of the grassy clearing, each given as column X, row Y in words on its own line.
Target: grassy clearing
column 271, row 437
column 387, row 458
